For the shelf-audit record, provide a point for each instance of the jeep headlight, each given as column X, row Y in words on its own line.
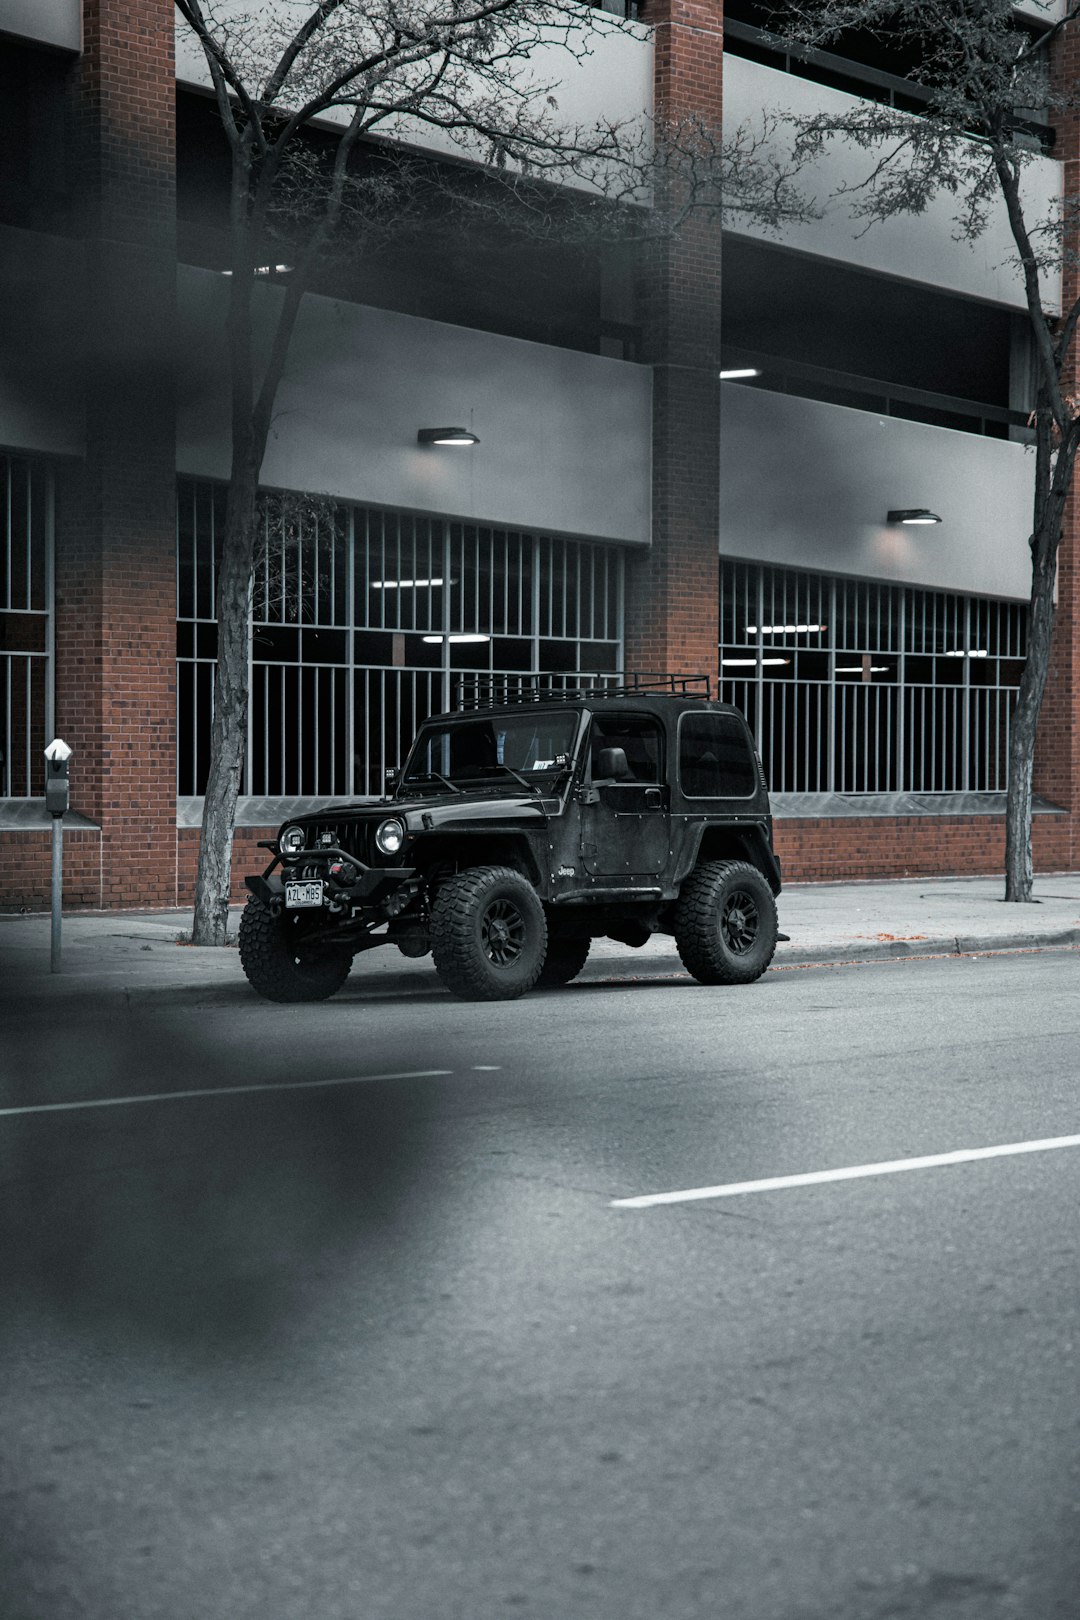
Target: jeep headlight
column 389, row 836
column 292, row 840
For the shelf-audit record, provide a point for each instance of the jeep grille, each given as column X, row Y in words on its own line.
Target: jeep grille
column 356, row 838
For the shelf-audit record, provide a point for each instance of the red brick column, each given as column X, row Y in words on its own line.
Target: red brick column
column 672, row 592
column 115, row 552
column 1057, row 754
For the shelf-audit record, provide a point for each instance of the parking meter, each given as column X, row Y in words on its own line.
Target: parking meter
column 56, row 802
column 56, row 776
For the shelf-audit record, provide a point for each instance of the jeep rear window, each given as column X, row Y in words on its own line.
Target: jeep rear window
column 463, row 750
column 715, row 761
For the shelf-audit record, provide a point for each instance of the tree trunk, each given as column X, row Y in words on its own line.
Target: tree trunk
column 1019, row 871
column 228, row 736
column 229, row 732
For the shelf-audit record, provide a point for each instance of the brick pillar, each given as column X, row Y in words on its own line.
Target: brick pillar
column 1057, row 754
column 115, row 553
column 672, row 592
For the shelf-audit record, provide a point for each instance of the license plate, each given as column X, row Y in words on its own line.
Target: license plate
column 303, row 894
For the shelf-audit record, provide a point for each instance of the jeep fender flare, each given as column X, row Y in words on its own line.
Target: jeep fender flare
column 746, row 843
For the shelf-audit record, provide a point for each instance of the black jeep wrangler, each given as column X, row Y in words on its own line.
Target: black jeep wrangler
column 520, row 830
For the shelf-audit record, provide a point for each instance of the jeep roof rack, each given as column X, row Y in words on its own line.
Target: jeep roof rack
column 480, row 692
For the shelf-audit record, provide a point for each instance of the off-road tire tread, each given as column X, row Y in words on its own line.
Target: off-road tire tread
column 452, row 945
column 268, row 964
column 696, row 933
column 564, row 961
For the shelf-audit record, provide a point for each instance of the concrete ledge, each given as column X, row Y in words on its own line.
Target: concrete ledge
column 30, row 815
column 263, row 812
column 827, row 806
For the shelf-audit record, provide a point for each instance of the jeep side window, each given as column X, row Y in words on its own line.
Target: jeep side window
column 637, row 736
column 715, row 761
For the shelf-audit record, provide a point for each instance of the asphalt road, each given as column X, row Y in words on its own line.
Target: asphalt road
column 330, row 1345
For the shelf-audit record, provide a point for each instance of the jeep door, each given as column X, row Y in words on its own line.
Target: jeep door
column 625, row 830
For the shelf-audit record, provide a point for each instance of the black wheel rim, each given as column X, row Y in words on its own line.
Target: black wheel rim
column 502, row 933
column 739, row 922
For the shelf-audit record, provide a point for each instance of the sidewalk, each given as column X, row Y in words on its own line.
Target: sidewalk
column 135, row 956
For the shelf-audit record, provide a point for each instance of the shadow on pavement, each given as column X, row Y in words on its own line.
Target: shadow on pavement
column 207, row 1221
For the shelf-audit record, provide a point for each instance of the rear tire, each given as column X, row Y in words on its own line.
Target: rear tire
column 488, row 934
column 277, row 962
column 725, row 923
column 564, row 961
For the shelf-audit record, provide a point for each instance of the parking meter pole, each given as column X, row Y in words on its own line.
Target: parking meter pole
column 57, row 890
column 57, row 756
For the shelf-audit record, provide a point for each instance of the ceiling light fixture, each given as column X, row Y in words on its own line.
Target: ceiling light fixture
column 402, row 584
column 857, row 669
column 437, row 641
column 978, row 652
column 785, row 629
column 739, row 372
column 913, row 515
column 446, row 435
column 267, row 270
column 753, row 662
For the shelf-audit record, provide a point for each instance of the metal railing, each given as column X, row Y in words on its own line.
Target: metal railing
column 858, row 687
column 25, row 625
column 859, row 78
column 364, row 622
column 785, row 376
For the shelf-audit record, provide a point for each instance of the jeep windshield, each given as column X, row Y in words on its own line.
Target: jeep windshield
column 511, row 750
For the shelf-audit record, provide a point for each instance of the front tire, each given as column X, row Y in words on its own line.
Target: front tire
column 488, row 934
column 564, row 961
column 725, row 923
column 277, row 962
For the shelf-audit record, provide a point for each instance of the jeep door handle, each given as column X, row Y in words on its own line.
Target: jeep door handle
column 654, row 799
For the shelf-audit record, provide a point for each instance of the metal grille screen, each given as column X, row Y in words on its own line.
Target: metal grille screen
column 25, row 566
column 365, row 621
column 859, row 687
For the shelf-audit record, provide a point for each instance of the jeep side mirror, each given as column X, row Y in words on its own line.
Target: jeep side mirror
column 611, row 764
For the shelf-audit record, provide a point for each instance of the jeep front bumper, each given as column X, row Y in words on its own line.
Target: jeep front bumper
column 370, row 888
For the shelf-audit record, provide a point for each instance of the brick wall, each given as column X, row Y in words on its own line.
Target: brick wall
column 115, row 517
column 246, row 857
column 912, row 846
column 26, row 869
column 1057, row 756
column 671, row 594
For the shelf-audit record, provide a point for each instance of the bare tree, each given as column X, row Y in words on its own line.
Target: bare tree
column 982, row 78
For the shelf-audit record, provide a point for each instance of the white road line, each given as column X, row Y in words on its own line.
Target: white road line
column 224, row 1091
column 815, row 1178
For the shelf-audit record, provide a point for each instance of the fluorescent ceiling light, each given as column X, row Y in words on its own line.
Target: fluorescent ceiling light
column 739, row 371
column 753, row 662
column 267, row 270
column 446, row 435
column 912, row 514
column 438, row 640
column 784, row 629
column 979, row 652
column 857, row 669
column 402, row 584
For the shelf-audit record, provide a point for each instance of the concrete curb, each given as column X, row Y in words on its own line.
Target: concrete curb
column 932, row 945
